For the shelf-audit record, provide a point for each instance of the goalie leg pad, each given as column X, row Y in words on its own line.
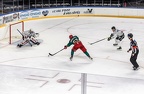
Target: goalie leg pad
column 37, row 43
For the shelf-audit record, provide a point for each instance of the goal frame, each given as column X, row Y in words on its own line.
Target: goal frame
column 10, row 29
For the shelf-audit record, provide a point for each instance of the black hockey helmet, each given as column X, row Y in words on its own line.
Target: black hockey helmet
column 113, row 27
column 130, row 35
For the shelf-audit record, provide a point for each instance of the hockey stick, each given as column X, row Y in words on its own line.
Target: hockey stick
column 55, row 53
column 20, row 32
column 97, row 41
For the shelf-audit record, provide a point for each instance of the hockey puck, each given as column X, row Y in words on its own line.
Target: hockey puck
column 63, row 81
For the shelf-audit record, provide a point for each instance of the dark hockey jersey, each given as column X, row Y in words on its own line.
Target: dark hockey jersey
column 72, row 40
column 133, row 46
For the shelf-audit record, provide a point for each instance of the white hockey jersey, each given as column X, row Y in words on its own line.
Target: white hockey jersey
column 117, row 33
column 28, row 34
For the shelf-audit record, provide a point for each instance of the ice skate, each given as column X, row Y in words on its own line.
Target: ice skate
column 136, row 68
column 71, row 58
column 19, row 45
column 119, row 48
column 115, row 44
column 37, row 43
column 90, row 58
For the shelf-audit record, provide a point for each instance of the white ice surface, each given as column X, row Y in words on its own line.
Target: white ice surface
column 110, row 72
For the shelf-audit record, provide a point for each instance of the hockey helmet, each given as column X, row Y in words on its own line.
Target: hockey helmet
column 70, row 36
column 130, row 35
column 30, row 31
column 113, row 27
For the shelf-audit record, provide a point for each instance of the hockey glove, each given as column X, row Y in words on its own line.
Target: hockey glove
column 111, row 35
column 65, row 47
column 129, row 50
column 109, row 38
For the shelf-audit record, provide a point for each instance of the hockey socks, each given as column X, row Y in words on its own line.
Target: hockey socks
column 87, row 54
column 72, row 53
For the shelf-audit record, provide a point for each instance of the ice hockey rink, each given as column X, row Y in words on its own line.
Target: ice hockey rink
column 29, row 70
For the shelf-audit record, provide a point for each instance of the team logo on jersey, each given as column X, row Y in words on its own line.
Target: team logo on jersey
column 45, row 13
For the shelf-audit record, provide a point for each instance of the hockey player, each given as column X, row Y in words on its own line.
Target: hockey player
column 29, row 37
column 74, row 40
column 118, row 35
column 135, row 51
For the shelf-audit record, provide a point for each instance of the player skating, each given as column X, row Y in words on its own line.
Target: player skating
column 29, row 37
column 74, row 40
column 118, row 35
column 135, row 51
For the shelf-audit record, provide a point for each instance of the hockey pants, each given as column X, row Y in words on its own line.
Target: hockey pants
column 133, row 59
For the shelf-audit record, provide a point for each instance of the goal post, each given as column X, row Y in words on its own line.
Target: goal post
column 13, row 33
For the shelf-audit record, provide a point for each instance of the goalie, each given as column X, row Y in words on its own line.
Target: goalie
column 28, row 37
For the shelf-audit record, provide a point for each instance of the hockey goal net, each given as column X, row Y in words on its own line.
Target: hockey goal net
column 14, row 35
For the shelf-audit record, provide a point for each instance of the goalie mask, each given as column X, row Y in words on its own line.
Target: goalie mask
column 30, row 31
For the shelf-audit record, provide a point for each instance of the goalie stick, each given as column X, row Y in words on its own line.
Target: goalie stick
column 23, row 37
column 20, row 33
column 55, row 53
column 97, row 41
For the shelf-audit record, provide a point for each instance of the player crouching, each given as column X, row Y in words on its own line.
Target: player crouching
column 74, row 40
column 29, row 37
